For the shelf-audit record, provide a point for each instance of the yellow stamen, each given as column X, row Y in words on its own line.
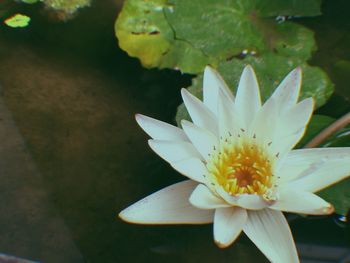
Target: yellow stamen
column 242, row 169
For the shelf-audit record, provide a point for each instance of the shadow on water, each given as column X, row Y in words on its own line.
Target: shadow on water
column 73, row 94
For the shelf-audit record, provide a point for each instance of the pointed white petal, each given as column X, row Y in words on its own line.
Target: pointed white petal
column 228, row 224
column 228, row 117
column 203, row 198
column 301, row 202
column 212, row 84
column 200, row 114
column 160, row 130
column 269, row 231
column 167, row 206
column 295, row 118
column 193, row 168
column 291, row 126
column 247, row 201
column 264, row 124
column 248, row 100
column 302, row 162
column 287, row 93
column 204, row 141
column 327, row 173
column 174, row 151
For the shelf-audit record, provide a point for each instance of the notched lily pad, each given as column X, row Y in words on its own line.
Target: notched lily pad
column 221, row 29
column 186, row 35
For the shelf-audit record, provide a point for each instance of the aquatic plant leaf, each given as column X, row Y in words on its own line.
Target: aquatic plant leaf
column 341, row 73
column 316, row 125
column 66, row 9
column 17, row 20
column 143, row 31
column 30, row 1
column 185, row 34
column 222, row 29
column 339, row 196
column 289, row 8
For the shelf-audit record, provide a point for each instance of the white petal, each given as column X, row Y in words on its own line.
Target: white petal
column 252, row 202
column 173, row 151
column 203, row 198
column 287, row 93
column 193, row 168
column 247, row 201
column 160, row 130
column 248, row 100
column 168, row 206
column 327, row 173
column 228, row 224
column 200, row 114
column 269, row 231
column 291, row 126
column 204, row 141
column 296, row 117
column 212, row 84
column 302, row 162
column 228, row 117
column 264, row 123
column 296, row 201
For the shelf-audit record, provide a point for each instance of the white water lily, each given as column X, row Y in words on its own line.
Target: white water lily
column 243, row 172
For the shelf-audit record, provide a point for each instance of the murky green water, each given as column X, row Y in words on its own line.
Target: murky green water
column 73, row 94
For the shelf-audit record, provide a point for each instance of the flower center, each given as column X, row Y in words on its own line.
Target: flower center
column 242, row 169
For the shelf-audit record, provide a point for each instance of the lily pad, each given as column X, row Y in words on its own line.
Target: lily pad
column 143, row 31
column 339, row 196
column 17, row 20
column 222, row 29
column 187, row 35
column 315, row 126
column 30, row 1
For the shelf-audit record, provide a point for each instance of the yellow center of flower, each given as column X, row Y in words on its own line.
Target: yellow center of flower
column 242, row 169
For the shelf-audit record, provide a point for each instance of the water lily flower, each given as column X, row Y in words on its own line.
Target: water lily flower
column 243, row 171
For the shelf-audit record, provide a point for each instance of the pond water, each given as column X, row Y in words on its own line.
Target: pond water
column 72, row 94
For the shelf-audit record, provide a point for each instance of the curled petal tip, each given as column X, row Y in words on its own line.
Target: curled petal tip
column 298, row 71
column 221, row 245
column 329, row 209
column 122, row 216
column 248, row 66
column 138, row 116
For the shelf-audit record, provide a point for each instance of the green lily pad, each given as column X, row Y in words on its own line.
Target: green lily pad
column 222, row 29
column 339, row 196
column 66, row 8
column 30, row 1
column 143, row 31
column 315, row 126
column 187, row 35
column 17, row 20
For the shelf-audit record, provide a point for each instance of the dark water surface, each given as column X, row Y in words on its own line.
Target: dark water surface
column 73, row 95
